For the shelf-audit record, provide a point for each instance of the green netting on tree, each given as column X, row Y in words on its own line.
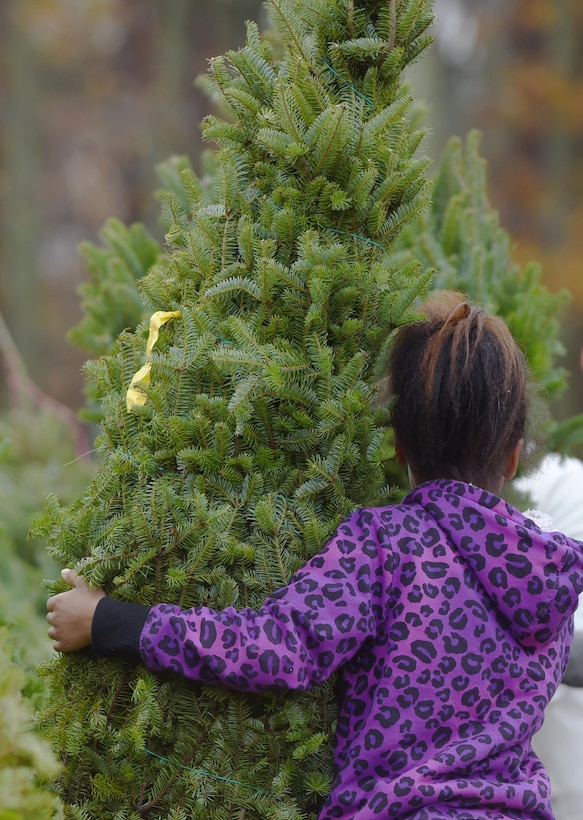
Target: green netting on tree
column 260, row 427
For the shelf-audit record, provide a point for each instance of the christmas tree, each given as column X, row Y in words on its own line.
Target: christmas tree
column 251, row 426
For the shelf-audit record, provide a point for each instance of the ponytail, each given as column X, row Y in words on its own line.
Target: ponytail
column 459, row 386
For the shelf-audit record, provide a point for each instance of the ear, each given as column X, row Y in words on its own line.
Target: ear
column 400, row 453
column 513, row 460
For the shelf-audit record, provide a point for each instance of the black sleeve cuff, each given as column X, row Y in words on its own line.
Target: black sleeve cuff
column 574, row 672
column 116, row 628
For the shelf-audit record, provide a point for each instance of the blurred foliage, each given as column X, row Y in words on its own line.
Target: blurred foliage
column 461, row 238
column 567, row 436
column 520, row 84
column 37, row 457
column 27, row 763
column 528, row 106
column 109, row 300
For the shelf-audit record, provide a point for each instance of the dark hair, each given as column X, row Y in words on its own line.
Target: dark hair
column 459, row 385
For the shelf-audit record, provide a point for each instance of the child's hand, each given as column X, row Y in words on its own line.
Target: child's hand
column 70, row 614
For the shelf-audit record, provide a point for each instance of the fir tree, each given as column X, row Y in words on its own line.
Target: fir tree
column 252, row 426
column 110, row 300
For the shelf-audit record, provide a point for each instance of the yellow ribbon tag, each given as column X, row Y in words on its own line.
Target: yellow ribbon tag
column 135, row 396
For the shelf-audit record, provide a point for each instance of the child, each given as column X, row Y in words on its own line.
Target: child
column 448, row 616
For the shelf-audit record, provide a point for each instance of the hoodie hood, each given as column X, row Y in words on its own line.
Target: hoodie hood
column 532, row 577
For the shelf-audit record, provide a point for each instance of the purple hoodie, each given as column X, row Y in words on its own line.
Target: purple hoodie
column 449, row 619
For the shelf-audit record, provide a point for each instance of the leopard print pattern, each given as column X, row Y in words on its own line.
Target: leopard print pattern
column 449, row 619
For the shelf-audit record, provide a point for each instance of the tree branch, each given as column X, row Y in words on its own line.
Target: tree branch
column 21, row 389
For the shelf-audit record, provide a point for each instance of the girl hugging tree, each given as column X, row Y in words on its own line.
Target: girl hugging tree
column 447, row 616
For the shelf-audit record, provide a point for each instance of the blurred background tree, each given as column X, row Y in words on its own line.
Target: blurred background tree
column 27, row 763
column 514, row 70
column 37, row 456
column 43, row 448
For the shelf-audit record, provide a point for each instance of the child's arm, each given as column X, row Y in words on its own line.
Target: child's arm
column 70, row 614
column 86, row 616
column 297, row 639
column 574, row 672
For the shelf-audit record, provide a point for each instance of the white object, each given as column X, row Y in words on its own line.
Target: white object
column 556, row 488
